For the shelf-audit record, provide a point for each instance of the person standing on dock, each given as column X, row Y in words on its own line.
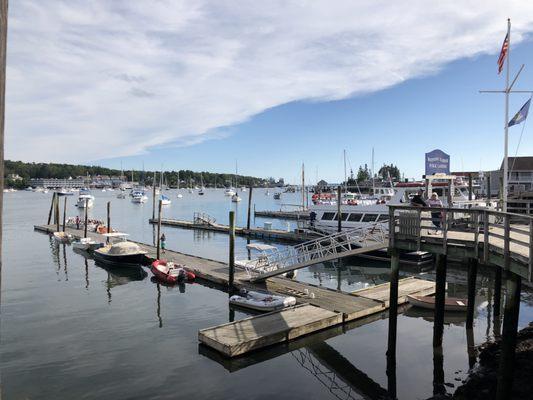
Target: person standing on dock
column 436, row 216
column 163, row 243
column 77, row 222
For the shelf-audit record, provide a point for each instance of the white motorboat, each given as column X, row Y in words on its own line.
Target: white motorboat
column 179, row 196
column 86, row 244
column 165, row 200
column 120, row 254
column 62, row 237
column 261, row 301
column 229, row 192
column 243, row 189
column 85, row 199
column 428, row 302
column 235, row 198
column 139, row 197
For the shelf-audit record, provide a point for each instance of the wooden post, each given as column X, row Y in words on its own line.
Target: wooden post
column 470, row 188
column 339, row 214
column 64, row 213
column 438, row 371
column 51, row 208
column 440, row 294
column 470, row 348
column 153, row 199
column 86, row 218
column 472, row 274
column 497, row 292
column 159, row 229
column 231, row 250
column 249, row 208
column 57, row 214
column 393, row 299
column 508, row 343
column 108, row 219
column 488, row 190
column 3, row 42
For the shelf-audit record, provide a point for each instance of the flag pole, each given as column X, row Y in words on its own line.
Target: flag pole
column 506, row 145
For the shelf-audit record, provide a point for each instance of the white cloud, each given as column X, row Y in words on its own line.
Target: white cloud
column 95, row 79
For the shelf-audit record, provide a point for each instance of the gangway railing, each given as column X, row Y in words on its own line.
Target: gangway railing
column 330, row 247
column 201, row 218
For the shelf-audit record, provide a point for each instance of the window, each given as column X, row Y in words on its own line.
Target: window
column 369, row 217
column 328, row 216
column 383, row 217
column 354, row 217
column 343, row 216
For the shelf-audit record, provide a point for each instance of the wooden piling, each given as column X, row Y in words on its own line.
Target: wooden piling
column 339, row 214
column 488, row 194
column 51, row 208
column 508, row 342
column 57, row 214
column 470, row 188
column 159, row 229
column 153, row 199
column 249, row 208
column 472, row 275
column 231, row 250
column 440, row 294
column 86, row 217
column 438, row 371
column 393, row 299
column 64, row 213
column 108, row 219
column 497, row 292
column 470, row 348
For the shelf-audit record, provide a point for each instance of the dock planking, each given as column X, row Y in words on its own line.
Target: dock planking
column 240, row 337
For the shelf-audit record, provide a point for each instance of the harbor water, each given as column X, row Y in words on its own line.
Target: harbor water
column 75, row 330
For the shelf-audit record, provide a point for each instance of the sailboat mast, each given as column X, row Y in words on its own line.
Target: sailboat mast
column 373, row 183
column 345, row 180
column 303, row 186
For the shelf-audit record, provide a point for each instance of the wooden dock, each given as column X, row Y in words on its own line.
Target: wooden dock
column 324, row 309
column 292, row 215
column 318, row 308
column 258, row 233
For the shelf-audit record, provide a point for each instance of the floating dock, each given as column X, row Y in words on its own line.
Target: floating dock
column 293, row 215
column 317, row 307
column 259, row 233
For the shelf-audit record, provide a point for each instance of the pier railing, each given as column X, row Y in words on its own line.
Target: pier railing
column 504, row 239
column 201, row 218
column 326, row 248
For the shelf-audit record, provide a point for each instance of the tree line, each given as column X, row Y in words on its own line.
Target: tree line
column 64, row 171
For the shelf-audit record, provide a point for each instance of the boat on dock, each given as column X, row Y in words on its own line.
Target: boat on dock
column 261, row 301
column 428, row 302
column 169, row 272
column 120, row 254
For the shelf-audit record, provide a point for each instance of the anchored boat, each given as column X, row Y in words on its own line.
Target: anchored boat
column 450, row 303
column 86, row 244
column 123, row 254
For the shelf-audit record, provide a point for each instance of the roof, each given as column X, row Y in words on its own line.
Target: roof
column 520, row 163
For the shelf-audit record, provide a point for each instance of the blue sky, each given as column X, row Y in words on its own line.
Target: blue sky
column 200, row 84
column 443, row 110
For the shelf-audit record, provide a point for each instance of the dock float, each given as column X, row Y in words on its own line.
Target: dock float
column 259, row 233
column 334, row 307
column 292, row 215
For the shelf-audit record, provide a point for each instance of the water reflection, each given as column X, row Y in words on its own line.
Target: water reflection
column 117, row 276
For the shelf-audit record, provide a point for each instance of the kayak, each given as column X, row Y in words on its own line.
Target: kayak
column 169, row 272
column 261, row 301
column 450, row 303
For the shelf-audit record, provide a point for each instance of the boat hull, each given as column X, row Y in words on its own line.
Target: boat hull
column 130, row 260
column 428, row 302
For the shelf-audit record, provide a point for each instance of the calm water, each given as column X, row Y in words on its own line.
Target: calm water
column 73, row 330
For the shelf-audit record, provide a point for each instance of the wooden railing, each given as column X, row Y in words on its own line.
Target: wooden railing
column 495, row 237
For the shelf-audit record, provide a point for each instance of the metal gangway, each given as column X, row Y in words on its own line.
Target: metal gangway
column 337, row 245
column 200, row 218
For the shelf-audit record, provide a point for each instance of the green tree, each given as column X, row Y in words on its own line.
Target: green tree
column 391, row 171
column 363, row 174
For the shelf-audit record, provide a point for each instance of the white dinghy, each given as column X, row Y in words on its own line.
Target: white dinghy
column 261, row 301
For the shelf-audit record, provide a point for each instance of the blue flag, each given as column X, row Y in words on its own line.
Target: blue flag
column 520, row 115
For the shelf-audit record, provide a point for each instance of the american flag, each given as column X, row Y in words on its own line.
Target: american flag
column 503, row 53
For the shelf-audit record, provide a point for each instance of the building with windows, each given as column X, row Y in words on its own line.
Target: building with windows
column 53, row 183
column 520, row 176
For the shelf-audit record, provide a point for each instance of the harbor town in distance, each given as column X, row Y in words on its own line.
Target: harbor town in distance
column 219, row 200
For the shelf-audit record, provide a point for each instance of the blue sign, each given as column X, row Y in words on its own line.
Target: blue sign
column 437, row 162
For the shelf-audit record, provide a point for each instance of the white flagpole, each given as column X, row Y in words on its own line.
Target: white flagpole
column 505, row 156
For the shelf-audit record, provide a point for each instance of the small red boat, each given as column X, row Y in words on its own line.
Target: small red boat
column 169, row 272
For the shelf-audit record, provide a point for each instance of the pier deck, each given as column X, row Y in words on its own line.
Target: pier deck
column 292, row 215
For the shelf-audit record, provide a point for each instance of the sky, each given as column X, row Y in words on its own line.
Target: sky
column 204, row 85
